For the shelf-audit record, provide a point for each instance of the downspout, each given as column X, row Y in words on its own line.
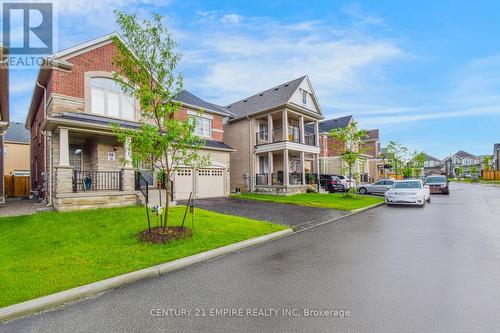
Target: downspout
column 47, row 172
column 250, row 181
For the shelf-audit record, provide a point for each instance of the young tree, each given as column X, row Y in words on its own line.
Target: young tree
column 415, row 165
column 397, row 156
column 146, row 64
column 487, row 161
column 459, row 171
column 349, row 139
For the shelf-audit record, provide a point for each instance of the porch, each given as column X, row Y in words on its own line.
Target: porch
column 284, row 171
column 90, row 170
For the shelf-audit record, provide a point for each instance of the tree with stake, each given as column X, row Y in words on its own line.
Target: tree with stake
column 146, row 64
column 350, row 139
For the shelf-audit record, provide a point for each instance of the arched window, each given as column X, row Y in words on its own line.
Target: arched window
column 107, row 98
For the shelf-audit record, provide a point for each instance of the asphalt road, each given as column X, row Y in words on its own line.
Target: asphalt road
column 395, row 269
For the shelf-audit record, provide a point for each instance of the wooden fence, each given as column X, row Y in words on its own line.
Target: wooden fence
column 491, row 175
column 17, row 186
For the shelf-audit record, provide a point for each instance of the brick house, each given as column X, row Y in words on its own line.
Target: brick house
column 75, row 156
column 331, row 150
column 275, row 134
column 4, row 113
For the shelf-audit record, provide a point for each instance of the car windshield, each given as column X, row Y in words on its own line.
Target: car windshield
column 436, row 179
column 407, row 185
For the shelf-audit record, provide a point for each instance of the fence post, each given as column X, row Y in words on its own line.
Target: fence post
column 121, row 180
column 75, row 175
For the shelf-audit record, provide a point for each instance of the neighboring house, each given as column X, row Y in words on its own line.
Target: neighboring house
column 331, row 161
column 432, row 165
column 76, row 158
column 275, row 134
column 17, row 150
column 496, row 156
column 461, row 159
column 4, row 113
column 371, row 147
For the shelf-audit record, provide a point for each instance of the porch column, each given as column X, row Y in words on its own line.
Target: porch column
column 286, row 178
column 270, row 168
column 63, row 147
column 128, row 153
column 285, row 125
column 301, row 129
column 303, row 167
column 316, row 133
column 270, row 128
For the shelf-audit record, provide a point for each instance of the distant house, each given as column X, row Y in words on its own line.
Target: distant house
column 496, row 156
column 4, row 114
column 461, row 159
column 432, row 165
column 371, row 147
column 17, row 150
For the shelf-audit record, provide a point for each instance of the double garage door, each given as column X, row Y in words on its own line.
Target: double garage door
column 203, row 183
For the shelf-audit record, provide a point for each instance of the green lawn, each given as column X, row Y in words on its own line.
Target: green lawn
column 332, row 200
column 50, row 252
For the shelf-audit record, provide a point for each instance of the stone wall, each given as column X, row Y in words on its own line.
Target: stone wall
column 80, row 201
column 281, row 190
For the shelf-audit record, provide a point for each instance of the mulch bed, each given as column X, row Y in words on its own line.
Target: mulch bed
column 164, row 235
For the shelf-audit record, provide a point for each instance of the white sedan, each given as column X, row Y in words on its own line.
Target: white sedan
column 408, row 192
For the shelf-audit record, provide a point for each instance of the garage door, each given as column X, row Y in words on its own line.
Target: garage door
column 183, row 184
column 210, row 183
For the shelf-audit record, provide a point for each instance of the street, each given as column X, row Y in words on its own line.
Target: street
column 390, row 269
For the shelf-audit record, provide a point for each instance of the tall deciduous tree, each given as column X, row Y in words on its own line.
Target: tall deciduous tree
column 349, row 139
column 146, row 64
column 397, row 154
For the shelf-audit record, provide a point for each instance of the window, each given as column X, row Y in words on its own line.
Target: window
column 203, row 126
column 108, row 99
column 380, row 182
column 263, row 164
column 111, row 156
column 304, row 96
column 75, row 157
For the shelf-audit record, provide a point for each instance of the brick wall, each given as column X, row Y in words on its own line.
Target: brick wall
column 330, row 147
column 37, row 148
column 1, row 170
column 217, row 123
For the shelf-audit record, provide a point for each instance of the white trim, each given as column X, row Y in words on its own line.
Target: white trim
column 200, row 114
column 194, row 107
column 86, row 46
column 287, row 145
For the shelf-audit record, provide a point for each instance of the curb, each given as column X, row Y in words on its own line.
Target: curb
column 20, row 310
column 301, row 228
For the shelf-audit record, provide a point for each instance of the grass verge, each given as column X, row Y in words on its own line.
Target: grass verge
column 50, row 252
column 332, row 200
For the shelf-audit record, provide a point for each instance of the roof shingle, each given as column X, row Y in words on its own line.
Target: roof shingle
column 17, row 133
column 328, row 125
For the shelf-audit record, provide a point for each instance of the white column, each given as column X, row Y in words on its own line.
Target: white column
column 316, row 132
column 128, row 153
column 303, row 167
column 285, row 125
column 63, row 147
column 301, row 129
column 270, row 168
column 270, row 128
column 286, row 178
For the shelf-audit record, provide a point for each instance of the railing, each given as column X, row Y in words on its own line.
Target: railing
column 261, row 179
column 97, row 181
column 310, row 139
column 141, row 184
column 277, row 178
column 295, row 178
column 277, row 135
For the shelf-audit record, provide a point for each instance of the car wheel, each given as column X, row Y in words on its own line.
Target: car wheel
column 363, row 190
column 342, row 188
column 429, row 200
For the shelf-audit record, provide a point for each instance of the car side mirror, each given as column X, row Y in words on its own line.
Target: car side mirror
column 427, row 186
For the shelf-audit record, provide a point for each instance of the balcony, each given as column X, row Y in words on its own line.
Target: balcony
column 277, row 135
column 84, row 181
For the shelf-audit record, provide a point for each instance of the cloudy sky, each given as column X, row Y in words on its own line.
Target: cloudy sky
column 427, row 74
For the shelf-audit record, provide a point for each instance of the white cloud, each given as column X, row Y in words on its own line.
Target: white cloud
column 231, row 18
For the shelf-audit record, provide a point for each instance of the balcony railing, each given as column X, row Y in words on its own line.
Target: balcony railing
column 277, row 135
column 295, row 178
column 97, row 181
column 261, row 179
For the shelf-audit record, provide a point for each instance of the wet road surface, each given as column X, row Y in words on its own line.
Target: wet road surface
column 395, row 269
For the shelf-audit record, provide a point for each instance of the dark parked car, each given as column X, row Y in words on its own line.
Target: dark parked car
column 438, row 184
column 331, row 183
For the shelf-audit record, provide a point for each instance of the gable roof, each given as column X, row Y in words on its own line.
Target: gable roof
column 431, row 158
column 17, row 133
column 373, row 134
column 267, row 99
column 328, row 125
column 463, row 154
column 188, row 99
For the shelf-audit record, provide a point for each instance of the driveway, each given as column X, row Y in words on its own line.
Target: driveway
column 294, row 216
column 18, row 207
column 396, row 269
